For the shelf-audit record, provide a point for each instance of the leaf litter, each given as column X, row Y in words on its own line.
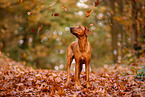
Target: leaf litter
column 115, row 81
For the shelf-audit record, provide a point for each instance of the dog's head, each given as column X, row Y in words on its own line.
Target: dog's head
column 79, row 31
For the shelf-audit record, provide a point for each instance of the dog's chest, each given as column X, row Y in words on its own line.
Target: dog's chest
column 82, row 60
column 82, row 56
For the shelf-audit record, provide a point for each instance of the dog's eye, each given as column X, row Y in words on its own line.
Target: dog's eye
column 79, row 27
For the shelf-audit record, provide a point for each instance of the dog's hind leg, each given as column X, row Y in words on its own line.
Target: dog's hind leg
column 80, row 69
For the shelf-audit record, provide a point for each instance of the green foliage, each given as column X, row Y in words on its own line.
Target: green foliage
column 48, row 48
column 31, row 32
column 141, row 74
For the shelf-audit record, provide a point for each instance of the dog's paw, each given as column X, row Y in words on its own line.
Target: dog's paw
column 88, row 85
column 78, row 87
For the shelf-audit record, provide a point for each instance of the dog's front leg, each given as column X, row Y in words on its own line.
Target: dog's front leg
column 69, row 60
column 87, row 74
column 80, row 69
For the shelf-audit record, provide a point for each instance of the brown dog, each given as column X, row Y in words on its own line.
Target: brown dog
column 80, row 51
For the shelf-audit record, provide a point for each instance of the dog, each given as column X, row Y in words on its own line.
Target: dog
column 80, row 51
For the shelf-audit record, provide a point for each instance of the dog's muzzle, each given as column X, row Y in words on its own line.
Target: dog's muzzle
column 71, row 29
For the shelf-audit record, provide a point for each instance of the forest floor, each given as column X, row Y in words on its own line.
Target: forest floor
column 115, row 81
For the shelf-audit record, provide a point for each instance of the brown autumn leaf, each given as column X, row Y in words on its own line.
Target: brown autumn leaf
column 112, row 12
column 20, row 84
column 32, row 30
column 19, row 80
column 135, row 0
column 39, row 29
column 54, row 14
column 88, row 12
column 92, row 24
column 20, row 1
column 52, row 4
column 30, row 13
column 58, row 79
column 110, row 22
column 64, row 7
column 96, row 3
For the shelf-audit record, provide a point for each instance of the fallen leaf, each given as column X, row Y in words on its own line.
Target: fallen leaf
column 135, row 0
column 64, row 7
column 112, row 12
column 52, row 4
column 91, row 24
column 20, row 1
column 39, row 29
column 32, row 30
column 58, row 79
column 54, row 14
column 20, row 84
column 30, row 13
column 88, row 12
column 18, row 79
column 110, row 22
column 96, row 3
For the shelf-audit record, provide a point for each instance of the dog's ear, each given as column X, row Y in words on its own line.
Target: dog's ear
column 87, row 31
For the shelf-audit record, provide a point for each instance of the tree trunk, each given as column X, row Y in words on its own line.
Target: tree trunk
column 114, row 33
column 134, row 42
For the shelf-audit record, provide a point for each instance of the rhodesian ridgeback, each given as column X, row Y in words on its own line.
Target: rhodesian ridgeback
column 80, row 51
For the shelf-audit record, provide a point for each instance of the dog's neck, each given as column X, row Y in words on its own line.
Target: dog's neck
column 83, row 42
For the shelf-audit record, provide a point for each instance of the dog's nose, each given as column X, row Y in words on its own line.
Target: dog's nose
column 71, row 29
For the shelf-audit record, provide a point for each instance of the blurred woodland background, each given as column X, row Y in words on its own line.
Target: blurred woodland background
column 36, row 32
